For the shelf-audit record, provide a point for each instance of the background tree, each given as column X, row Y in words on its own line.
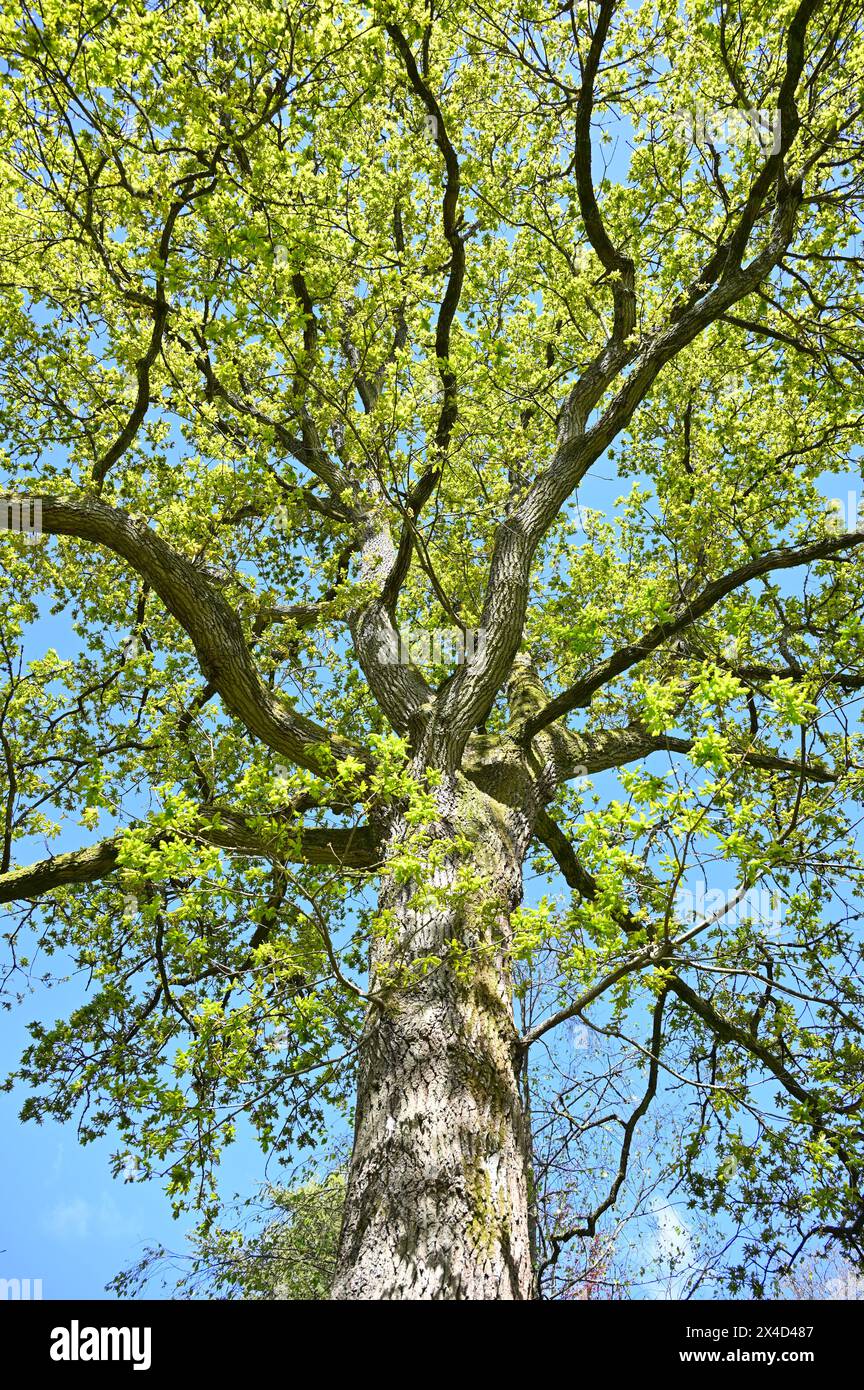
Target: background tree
column 316, row 320
column 282, row 1246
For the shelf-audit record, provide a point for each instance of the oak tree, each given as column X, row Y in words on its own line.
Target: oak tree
column 321, row 325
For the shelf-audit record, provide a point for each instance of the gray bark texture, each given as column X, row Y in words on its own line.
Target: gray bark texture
column 437, row 1201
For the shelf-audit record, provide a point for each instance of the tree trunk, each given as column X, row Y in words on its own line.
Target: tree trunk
column 437, row 1199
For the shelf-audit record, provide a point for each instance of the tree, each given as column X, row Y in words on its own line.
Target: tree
column 283, row 1247
column 320, row 323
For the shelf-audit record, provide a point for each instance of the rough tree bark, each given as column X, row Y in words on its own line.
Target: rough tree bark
column 437, row 1199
